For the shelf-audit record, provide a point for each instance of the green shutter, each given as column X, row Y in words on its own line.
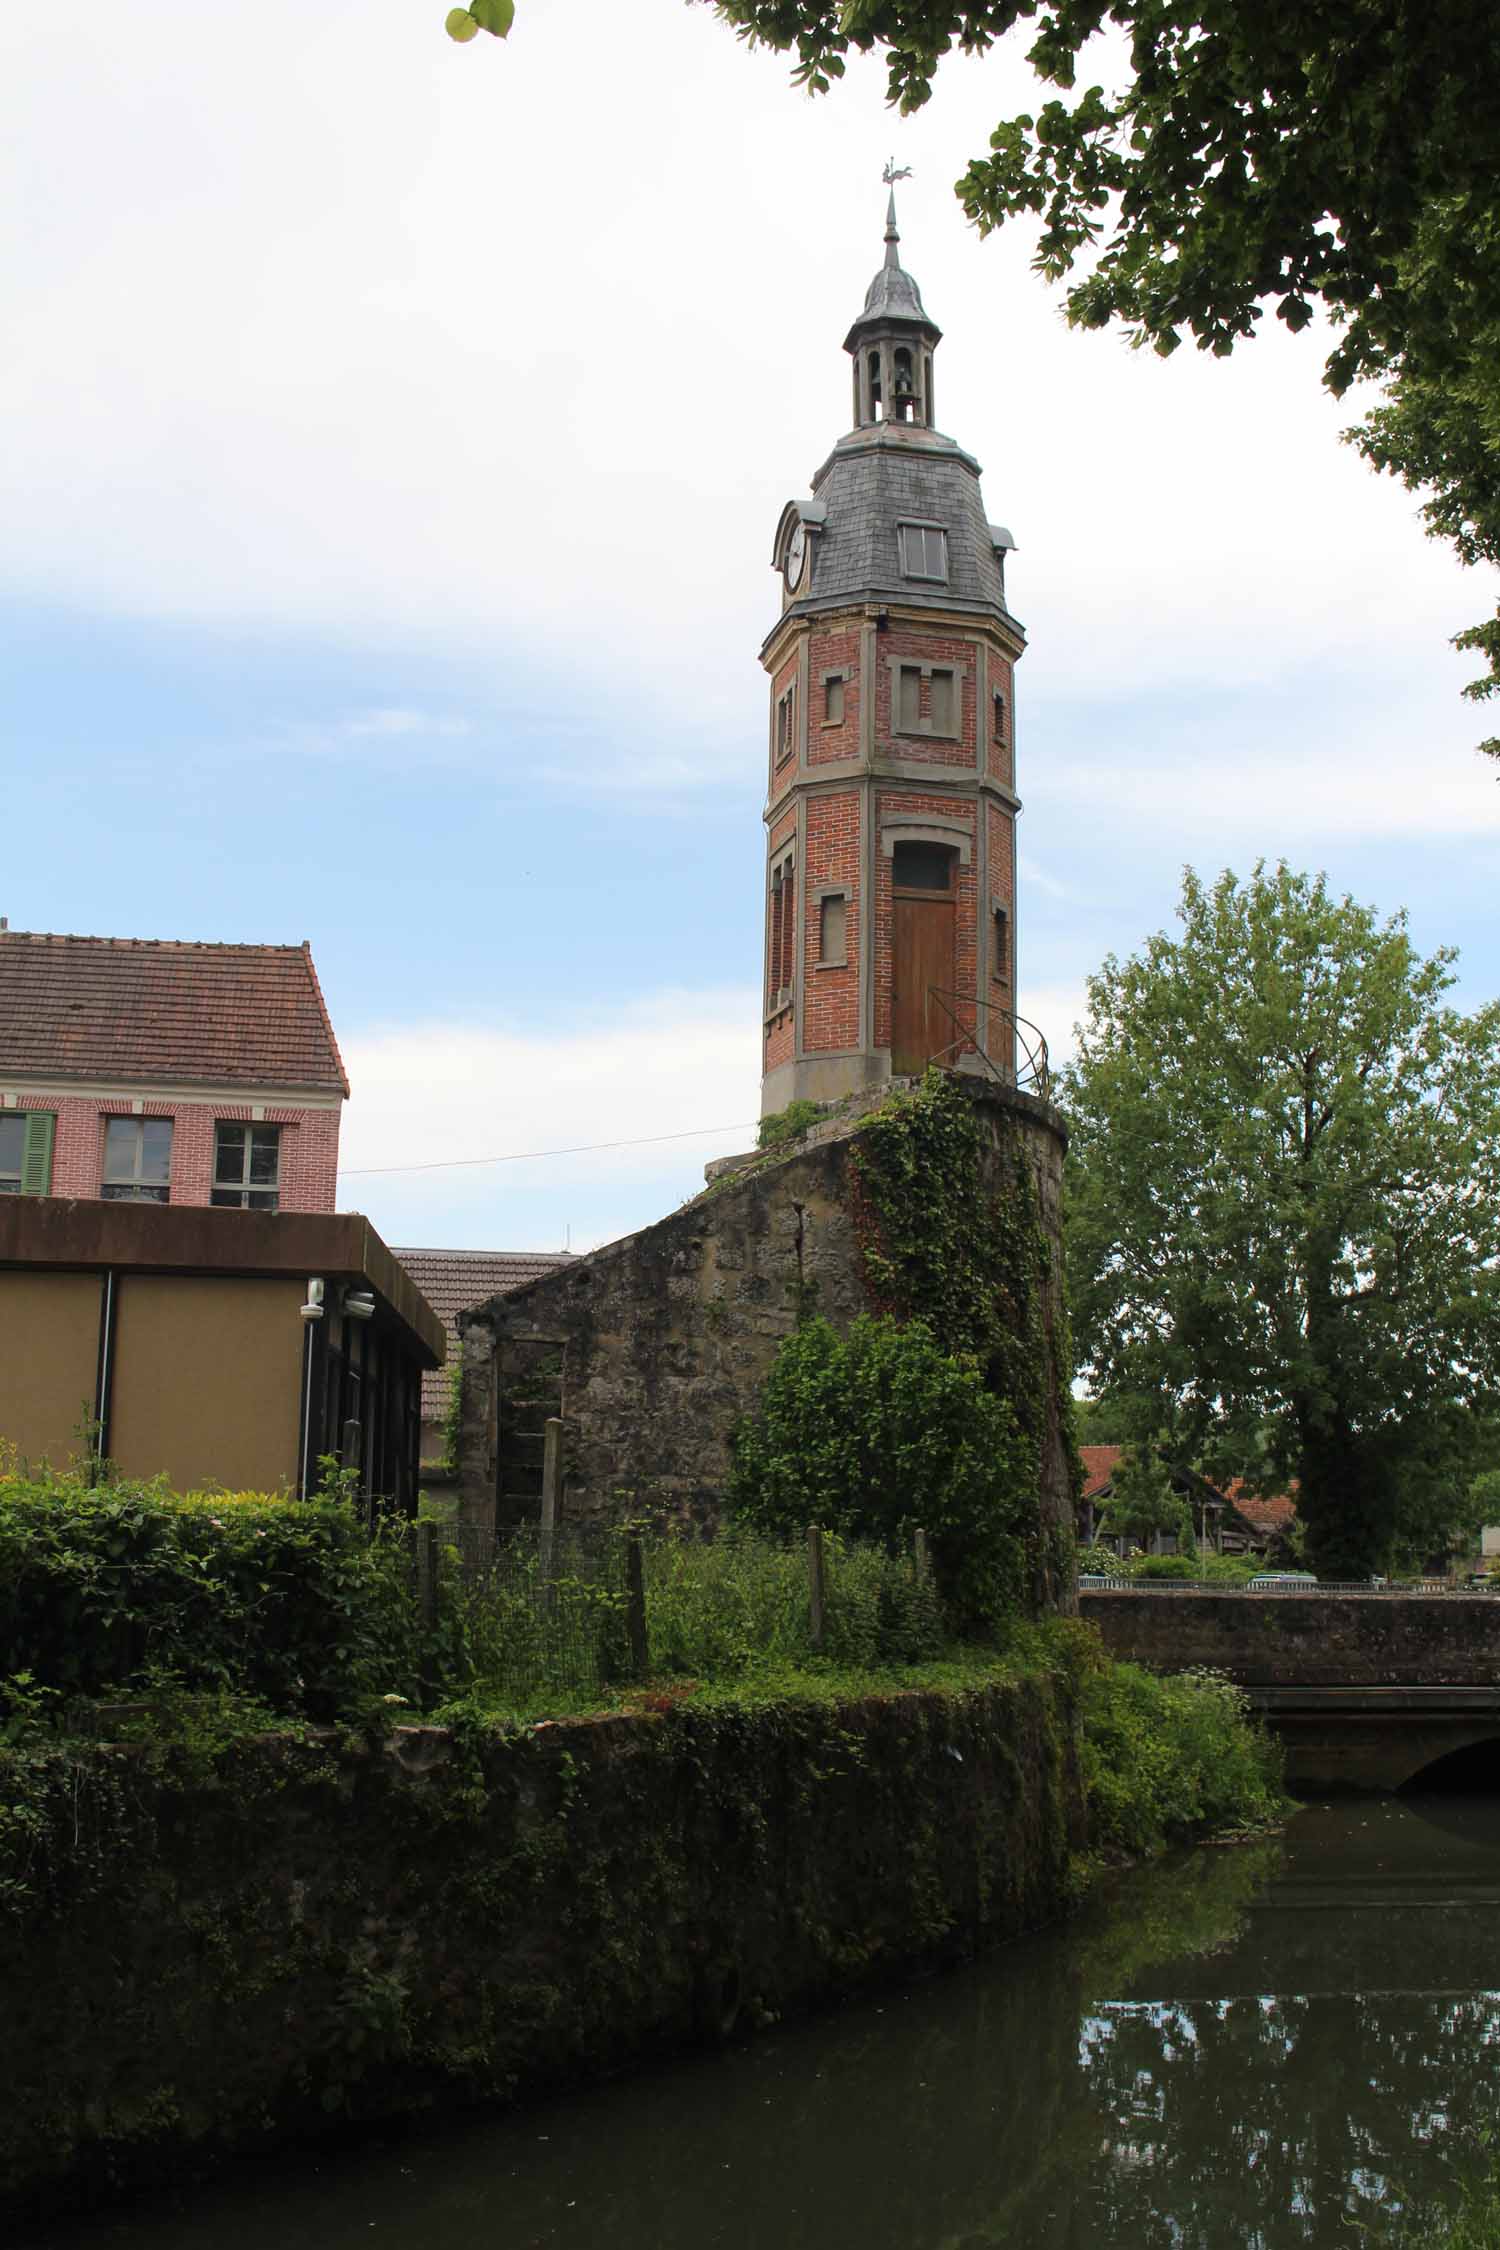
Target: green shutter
column 36, row 1157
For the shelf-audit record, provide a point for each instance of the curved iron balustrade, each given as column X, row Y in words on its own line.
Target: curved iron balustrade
column 1033, row 1071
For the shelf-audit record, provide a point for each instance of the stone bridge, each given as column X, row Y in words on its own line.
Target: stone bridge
column 1367, row 1690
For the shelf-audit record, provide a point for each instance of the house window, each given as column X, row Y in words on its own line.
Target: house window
column 1001, row 955
column 786, row 736
column 833, row 931
column 999, row 717
column 137, row 1160
column 924, row 551
column 247, row 1167
column 26, row 1151
column 909, row 699
column 833, row 700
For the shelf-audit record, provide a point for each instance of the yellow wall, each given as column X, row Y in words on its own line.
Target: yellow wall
column 49, row 1361
column 207, row 1380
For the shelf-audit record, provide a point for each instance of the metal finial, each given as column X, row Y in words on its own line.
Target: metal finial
column 892, row 173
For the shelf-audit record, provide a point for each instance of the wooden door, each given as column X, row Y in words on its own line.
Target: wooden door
column 922, row 936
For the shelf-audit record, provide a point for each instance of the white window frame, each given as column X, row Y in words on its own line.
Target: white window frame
column 244, row 1194
column 130, row 1187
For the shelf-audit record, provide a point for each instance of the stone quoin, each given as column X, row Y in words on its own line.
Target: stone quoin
column 891, row 808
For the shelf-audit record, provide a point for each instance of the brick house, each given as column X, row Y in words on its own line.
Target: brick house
column 150, row 1071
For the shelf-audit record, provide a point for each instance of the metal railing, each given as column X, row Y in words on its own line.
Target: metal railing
column 1094, row 1582
column 1032, row 1072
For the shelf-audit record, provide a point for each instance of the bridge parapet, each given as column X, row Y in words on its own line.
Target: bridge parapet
column 1314, row 1637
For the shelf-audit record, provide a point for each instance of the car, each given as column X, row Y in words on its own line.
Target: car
column 1279, row 1581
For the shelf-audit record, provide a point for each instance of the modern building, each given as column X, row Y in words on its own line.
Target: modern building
column 220, row 1348
column 890, row 820
column 147, row 1071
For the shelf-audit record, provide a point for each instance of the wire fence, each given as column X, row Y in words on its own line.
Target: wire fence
column 579, row 1609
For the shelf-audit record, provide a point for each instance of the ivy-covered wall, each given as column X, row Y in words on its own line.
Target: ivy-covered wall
column 940, row 1200
column 293, row 1934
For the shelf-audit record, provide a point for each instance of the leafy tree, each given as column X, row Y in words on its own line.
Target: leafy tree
column 1286, row 152
column 1284, row 1208
column 1142, row 1501
column 879, row 1433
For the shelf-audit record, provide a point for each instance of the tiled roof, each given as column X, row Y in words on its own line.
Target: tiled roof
column 1278, row 1513
column 455, row 1281
column 1099, row 1465
column 155, row 1011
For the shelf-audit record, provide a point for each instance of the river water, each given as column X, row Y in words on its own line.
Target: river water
column 1285, row 2043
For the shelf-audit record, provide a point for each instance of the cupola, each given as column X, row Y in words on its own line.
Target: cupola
column 892, row 343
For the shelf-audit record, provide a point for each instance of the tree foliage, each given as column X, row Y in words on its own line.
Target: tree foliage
column 1284, row 1215
column 1142, row 1501
column 1271, row 152
column 881, row 1433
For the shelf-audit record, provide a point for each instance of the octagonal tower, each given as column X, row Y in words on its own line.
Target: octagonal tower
column 890, row 818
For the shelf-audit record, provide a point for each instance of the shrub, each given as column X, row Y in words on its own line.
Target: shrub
column 879, row 1433
column 1168, row 1758
column 287, row 1600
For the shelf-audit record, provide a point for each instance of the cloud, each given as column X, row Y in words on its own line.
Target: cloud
column 672, row 1063
column 399, row 722
column 403, row 366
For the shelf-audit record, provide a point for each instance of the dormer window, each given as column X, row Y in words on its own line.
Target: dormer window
column 924, row 551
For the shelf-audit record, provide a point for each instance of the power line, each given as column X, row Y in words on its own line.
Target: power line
column 529, row 1155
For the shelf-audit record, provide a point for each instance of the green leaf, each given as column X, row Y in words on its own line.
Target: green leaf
column 495, row 16
column 461, row 25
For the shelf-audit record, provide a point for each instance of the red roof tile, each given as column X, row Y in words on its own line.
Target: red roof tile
column 1276, row 1513
column 156, row 1011
column 455, row 1281
column 1099, row 1465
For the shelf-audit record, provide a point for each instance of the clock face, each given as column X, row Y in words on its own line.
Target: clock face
column 795, row 562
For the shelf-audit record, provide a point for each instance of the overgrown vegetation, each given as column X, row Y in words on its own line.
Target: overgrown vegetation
column 882, row 1432
column 789, row 1124
column 1166, row 1759
column 106, row 1586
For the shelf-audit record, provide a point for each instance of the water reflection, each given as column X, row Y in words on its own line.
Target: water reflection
column 1254, row 2048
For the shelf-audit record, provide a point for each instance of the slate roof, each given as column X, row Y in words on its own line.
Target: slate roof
column 156, row 1011
column 893, row 294
column 884, row 474
column 455, row 1281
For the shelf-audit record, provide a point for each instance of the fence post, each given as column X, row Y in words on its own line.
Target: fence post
column 921, row 1560
column 817, row 1586
column 551, row 1493
column 427, row 1574
column 635, row 1606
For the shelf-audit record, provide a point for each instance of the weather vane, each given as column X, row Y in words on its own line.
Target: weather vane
column 893, row 173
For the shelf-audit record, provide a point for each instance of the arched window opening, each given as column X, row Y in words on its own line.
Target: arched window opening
column 874, row 373
column 903, row 385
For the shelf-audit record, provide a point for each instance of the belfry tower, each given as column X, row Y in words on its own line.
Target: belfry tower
column 890, row 819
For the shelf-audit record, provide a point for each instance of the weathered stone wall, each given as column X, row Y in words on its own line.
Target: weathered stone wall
column 296, row 1935
column 667, row 1336
column 1305, row 1640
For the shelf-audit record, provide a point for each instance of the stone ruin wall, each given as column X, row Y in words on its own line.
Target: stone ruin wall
column 666, row 1336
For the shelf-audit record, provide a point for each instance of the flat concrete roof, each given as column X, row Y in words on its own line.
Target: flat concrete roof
column 58, row 1231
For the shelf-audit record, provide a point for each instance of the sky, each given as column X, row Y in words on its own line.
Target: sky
column 395, row 437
